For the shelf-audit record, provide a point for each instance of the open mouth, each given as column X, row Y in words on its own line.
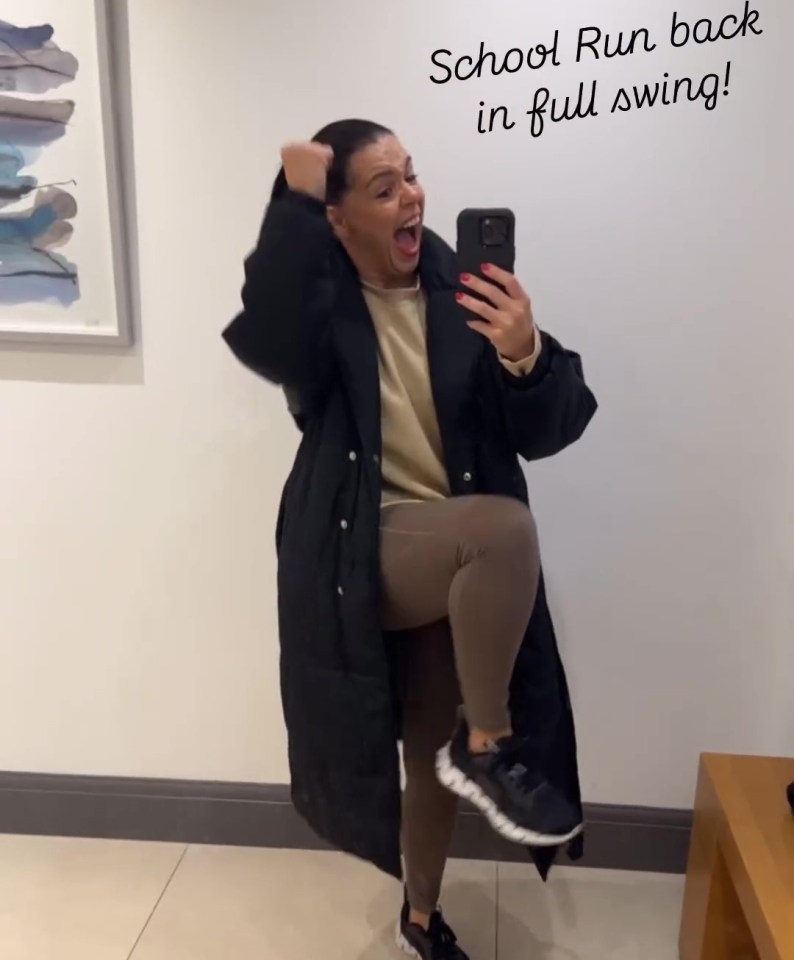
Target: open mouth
column 408, row 236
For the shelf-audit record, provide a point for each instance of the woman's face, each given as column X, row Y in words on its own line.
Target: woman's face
column 379, row 221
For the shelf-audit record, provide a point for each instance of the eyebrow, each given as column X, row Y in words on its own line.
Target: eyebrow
column 388, row 173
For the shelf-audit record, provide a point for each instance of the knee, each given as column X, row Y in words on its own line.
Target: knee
column 509, row 525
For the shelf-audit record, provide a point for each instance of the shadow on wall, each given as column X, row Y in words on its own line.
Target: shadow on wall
column 83, row 364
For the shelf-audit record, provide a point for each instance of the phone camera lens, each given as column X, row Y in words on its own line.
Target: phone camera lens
column 493, row 231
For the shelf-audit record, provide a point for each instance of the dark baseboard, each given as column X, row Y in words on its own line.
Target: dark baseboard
column 233, row 814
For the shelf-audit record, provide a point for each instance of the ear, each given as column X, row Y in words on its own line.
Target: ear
column 337, row 221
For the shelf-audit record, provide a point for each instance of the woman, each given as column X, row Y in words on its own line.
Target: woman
column 409, row 578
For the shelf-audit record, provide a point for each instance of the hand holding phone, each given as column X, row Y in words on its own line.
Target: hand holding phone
column 486, row 236
column 495, row 303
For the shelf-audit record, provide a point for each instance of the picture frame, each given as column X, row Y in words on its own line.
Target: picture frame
column 60, row 169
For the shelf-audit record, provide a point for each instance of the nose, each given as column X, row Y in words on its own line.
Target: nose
column 411, row 192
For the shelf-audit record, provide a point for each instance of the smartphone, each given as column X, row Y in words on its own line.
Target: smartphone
column 486, row 236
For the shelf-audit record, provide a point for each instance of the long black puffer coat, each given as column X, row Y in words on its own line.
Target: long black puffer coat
column 305, row 326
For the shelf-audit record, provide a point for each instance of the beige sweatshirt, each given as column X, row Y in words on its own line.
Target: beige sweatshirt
column 412, row 455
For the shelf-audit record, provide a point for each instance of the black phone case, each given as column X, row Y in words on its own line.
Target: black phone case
column 472, row 252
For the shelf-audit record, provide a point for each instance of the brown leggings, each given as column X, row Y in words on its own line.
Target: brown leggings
column 460, row 578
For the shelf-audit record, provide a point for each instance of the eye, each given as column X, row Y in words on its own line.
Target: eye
column 385, row 193
column 413, row 178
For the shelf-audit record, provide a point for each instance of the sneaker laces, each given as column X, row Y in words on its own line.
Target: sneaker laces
column 509, row 754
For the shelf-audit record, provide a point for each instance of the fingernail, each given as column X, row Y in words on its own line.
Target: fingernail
column 465, row 277
column 458, row 296
column 485, row 267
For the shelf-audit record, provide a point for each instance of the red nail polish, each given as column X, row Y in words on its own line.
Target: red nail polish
column 465, row 277
column 458, row 296
column 485, row 267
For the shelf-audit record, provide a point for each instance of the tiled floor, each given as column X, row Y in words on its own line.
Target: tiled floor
column 99, row 900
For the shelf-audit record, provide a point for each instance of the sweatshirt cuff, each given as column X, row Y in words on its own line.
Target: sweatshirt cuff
column 522, row 368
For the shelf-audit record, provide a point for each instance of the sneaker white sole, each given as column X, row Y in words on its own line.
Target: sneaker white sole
column 403, row 944
column 458, row 783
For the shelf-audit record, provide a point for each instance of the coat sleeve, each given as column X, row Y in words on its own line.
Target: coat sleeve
column 547, row 410
column 283, row 330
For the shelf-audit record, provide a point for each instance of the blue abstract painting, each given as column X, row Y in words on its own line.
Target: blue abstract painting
column 36, row 219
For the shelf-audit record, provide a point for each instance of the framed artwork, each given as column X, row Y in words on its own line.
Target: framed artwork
column 63, row 267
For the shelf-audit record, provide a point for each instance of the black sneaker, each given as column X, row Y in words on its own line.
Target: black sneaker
column 521, row 807
column 438, row 942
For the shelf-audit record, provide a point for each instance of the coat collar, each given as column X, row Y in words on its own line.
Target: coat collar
column 451, row 345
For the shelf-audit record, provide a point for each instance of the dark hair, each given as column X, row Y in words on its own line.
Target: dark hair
column 345, row 137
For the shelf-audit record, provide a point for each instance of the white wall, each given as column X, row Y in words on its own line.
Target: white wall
column 139, row 491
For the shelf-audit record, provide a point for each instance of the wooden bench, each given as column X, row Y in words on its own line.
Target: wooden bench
column 739, row 900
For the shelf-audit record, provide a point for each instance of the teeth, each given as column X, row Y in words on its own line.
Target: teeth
column 413, row 222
